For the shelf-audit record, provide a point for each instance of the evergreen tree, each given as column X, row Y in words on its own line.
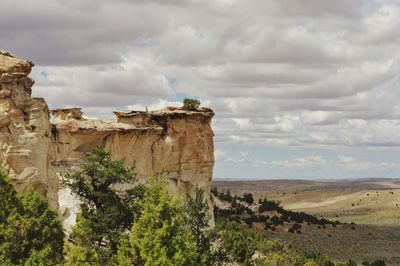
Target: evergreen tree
column 214, row 191
column 239, row 242
column 81, row 256
column 248, row 197
column 106, row 211
column 30, row 232
column 198, row 218
column 158, row 236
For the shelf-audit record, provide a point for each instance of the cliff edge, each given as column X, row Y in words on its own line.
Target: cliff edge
column 36, row 147
column 26, row 149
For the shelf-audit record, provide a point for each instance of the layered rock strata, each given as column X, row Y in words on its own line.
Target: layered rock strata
column 176, row 141
column 35, row 149
column 172, row 140
column 26, row 148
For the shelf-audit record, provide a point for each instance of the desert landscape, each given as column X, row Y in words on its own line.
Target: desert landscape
column 368, row 208
column 363, row 201
column 200, row 133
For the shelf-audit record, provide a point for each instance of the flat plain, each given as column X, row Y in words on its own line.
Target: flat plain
column 372, row 204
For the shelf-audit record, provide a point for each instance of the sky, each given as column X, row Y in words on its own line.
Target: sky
column 300, row 88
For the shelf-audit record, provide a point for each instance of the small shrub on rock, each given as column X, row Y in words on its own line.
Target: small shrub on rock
column 191, row 104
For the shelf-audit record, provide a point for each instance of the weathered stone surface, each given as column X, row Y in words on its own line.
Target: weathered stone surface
column 176, row 141
column 26, row 148
column 35, row 149
column 10, row 64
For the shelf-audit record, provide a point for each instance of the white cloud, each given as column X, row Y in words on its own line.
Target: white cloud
column 132, row 81
column 239, row 158
column 301, row 162
column 299, row 73
column 353, row 164
column 343, row 159
column 319, row 117
column 219, row 154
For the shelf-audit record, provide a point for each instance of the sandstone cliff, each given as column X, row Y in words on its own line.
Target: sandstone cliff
column 26, row 150
column 172, row 140
column 35, row 149
column 178, row 141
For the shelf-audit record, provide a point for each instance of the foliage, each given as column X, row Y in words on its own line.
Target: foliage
column 248, row 197
column 276, row 220
column 225, row 196
column 239, row 242
column 288, row 256
column 106, row 212
column 251, row 247
column 81, row 256
column 158, row 236
column 351, row 263
column 277, row 253
column 269, row 205
column 322, row 260
column 191, row 104
column 214, row 191
column 142, row 225
column 197, row 219
column 30, row 232
column 375, row 263
column 239, row 212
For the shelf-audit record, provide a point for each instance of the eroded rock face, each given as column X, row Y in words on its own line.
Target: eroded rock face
column 35, row 150
column 173, row 140
column 26, row 149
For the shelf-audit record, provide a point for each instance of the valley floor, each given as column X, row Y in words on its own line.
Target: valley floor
column 365, row 243
column 372, row 204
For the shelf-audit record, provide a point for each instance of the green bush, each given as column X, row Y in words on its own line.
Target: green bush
column 191, row 104
column 159, row 236
column 248, row 197
column 239, row 242
column 82, row 256
column 30, row 232
column 197, row 216
column 376, row 263
column 106, row 212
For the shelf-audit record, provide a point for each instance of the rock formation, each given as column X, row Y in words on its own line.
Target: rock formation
column 26, row 149
column 172, row 140
column 34, row 148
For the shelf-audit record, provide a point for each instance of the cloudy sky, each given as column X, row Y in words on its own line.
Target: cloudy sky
column 300, row 88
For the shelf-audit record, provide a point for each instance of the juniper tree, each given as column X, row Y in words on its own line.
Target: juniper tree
column 106, row 210
column 30, row 232
column 158, row 237
column 198, row 218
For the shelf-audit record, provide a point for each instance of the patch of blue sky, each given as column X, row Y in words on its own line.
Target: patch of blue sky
column 44, row 74
column 269, row 162
column 275, row 152
column 180, row 96
column 147, row 43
